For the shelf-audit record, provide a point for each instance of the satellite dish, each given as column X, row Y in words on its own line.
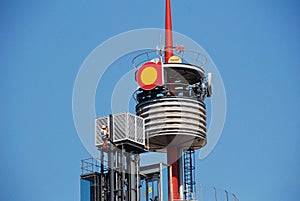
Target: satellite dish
column 209, row 84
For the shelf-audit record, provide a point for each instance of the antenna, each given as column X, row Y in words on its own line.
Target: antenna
column 209, row 85
column 168, row 32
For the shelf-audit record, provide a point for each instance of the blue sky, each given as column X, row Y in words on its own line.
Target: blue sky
column 255, row 45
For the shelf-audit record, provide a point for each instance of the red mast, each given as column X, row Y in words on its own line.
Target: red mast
column 172, row 152
column 168, row 33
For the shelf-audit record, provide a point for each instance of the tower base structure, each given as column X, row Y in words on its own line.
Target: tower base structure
column 153, row 185
column 117, row 176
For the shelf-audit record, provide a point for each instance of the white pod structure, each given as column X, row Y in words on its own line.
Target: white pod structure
column 175, row 113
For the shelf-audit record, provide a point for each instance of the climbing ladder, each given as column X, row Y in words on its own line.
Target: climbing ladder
column 189, row 174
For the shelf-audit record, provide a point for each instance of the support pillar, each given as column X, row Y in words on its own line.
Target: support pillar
column 172, row 155
column 111, row 164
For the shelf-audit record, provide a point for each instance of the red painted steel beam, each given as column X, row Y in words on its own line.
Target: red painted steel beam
column 172, row 157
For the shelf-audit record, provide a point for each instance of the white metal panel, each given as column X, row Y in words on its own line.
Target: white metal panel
column 98, row 126
column 166, row 118
column 126, row 126
column 119, row 127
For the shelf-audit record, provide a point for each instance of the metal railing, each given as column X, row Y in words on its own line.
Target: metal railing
column 207, row 193
column 188, row 57
column 90, row 165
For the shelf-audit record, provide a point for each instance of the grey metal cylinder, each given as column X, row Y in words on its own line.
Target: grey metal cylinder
column 179, row 121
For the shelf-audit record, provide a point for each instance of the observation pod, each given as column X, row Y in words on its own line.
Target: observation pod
column 173, row 109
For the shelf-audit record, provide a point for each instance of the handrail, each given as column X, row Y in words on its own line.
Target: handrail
column 188, row 57
column 90, row 165
column 209, row 193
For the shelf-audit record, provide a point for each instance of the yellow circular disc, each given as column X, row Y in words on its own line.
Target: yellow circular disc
column 148, row 75
column 175, row 59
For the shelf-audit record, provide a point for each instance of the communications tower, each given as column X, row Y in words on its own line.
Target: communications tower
column 173, row 86
column 170, row 117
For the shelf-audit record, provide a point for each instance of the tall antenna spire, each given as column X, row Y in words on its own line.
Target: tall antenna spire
column 168, row 32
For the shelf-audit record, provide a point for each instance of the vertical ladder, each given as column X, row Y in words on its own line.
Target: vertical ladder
column 189, row 174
